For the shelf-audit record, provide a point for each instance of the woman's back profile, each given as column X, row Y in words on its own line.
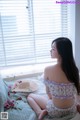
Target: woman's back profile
column 61, row 81
column 60, row 87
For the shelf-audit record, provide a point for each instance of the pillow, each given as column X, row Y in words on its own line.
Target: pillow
column 3, row 94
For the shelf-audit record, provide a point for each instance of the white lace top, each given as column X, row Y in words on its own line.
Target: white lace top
column 61, row 90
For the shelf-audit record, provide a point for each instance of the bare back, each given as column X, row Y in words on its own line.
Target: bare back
column 55, row 74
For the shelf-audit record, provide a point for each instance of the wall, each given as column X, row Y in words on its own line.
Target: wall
column 77, row 34
column 75, row 30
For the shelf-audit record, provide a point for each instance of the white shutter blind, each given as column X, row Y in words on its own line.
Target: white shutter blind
column 27, row 28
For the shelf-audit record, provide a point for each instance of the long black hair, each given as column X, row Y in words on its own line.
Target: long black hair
column 64, row 48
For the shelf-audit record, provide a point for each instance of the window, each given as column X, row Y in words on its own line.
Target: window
column 27, row 28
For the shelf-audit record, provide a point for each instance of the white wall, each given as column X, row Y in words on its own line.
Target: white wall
column 72, row 25
column 77, row 34
column 75, row 31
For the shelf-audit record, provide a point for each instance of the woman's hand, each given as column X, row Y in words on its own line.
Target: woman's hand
column 48, row 92
column 78, row 108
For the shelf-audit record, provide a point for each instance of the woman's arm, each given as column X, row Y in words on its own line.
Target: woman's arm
column 46, row 71
column 78, row 103
column 48, row 92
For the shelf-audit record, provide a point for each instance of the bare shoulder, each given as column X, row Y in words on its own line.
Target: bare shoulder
column 55, row 73
column 52, row 67
column 50, row 70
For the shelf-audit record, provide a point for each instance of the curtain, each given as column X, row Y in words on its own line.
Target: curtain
column 27, row 28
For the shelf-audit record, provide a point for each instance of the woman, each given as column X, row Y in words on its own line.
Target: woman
column 61, row 81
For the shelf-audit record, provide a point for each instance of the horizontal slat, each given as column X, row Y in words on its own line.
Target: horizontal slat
column 27, row 28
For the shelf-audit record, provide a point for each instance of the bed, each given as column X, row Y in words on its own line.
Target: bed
column 23, row 111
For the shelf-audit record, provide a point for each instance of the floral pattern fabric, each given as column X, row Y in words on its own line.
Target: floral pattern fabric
column 61, row 90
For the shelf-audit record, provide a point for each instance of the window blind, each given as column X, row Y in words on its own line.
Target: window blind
column 27, row 28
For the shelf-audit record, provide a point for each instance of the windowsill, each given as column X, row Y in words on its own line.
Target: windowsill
column 19, row 72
